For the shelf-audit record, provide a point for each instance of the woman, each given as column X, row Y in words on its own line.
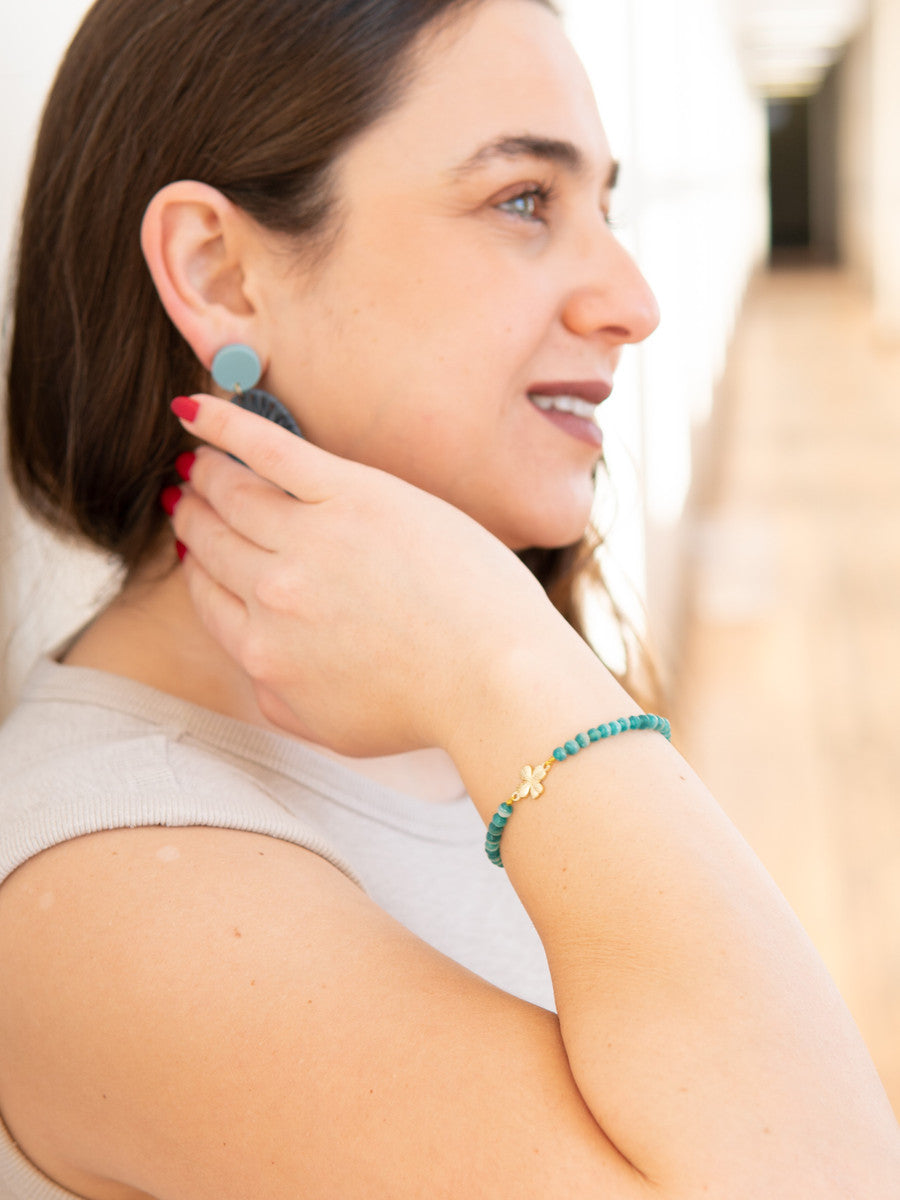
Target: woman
column 401, row 209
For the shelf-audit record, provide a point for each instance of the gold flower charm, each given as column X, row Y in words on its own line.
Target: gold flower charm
column 532, row 785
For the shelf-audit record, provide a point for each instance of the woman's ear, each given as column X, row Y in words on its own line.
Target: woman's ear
column 197, row 246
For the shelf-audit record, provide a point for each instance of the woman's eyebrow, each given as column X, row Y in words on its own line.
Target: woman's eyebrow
column 562, row 153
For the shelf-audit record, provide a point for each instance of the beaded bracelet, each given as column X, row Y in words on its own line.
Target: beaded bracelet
column 532, row 784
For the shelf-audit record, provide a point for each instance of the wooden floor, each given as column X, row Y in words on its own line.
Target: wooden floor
column 788, row 700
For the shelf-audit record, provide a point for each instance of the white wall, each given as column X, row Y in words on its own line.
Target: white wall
column 693, row 211
column 886, row 166
column 855, row 155
column 869, row 87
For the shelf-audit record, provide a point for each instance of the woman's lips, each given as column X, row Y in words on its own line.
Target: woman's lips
column 571, row 407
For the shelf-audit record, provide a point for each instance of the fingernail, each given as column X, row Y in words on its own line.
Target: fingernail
column 185, row 407
column 180, row 550
column 184, row 464
column 169, row 498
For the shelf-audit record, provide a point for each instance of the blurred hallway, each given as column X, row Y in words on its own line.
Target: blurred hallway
column 789, row 696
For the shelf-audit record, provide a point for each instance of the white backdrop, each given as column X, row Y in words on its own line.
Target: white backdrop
column 692, row 208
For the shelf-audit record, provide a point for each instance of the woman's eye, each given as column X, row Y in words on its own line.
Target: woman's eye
column 527, row 205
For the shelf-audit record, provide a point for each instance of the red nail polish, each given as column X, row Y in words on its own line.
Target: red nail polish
column 169, row 498
column 185, row 407
column 184, row 464
column 180, row 550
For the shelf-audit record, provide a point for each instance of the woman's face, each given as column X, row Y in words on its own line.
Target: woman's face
column 474, row 284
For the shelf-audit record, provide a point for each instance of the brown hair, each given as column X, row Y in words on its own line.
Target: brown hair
column 256, row 98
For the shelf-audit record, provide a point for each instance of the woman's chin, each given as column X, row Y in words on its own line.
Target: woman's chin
column 534, row 513
column 551, row 532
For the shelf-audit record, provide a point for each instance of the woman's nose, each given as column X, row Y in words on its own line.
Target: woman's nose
column 616, row 302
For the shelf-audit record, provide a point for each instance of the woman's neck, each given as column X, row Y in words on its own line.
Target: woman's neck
column 152, row 634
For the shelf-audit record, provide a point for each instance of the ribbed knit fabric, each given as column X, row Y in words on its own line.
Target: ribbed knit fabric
column 86, row 751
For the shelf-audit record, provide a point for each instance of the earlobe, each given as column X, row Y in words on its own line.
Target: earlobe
column 194, row 243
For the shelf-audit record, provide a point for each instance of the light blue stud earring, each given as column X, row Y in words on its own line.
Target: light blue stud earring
column 237, row 369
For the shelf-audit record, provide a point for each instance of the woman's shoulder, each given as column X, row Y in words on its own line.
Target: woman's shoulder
column 85, row 752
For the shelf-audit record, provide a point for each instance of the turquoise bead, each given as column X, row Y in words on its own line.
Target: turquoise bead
column 568, row 750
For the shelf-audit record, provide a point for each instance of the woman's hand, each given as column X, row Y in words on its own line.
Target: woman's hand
column 361, row 607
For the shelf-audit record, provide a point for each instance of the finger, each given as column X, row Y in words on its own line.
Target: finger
column 292, row 463
column 225, row 555
column 251, row 506
column 223, row 613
